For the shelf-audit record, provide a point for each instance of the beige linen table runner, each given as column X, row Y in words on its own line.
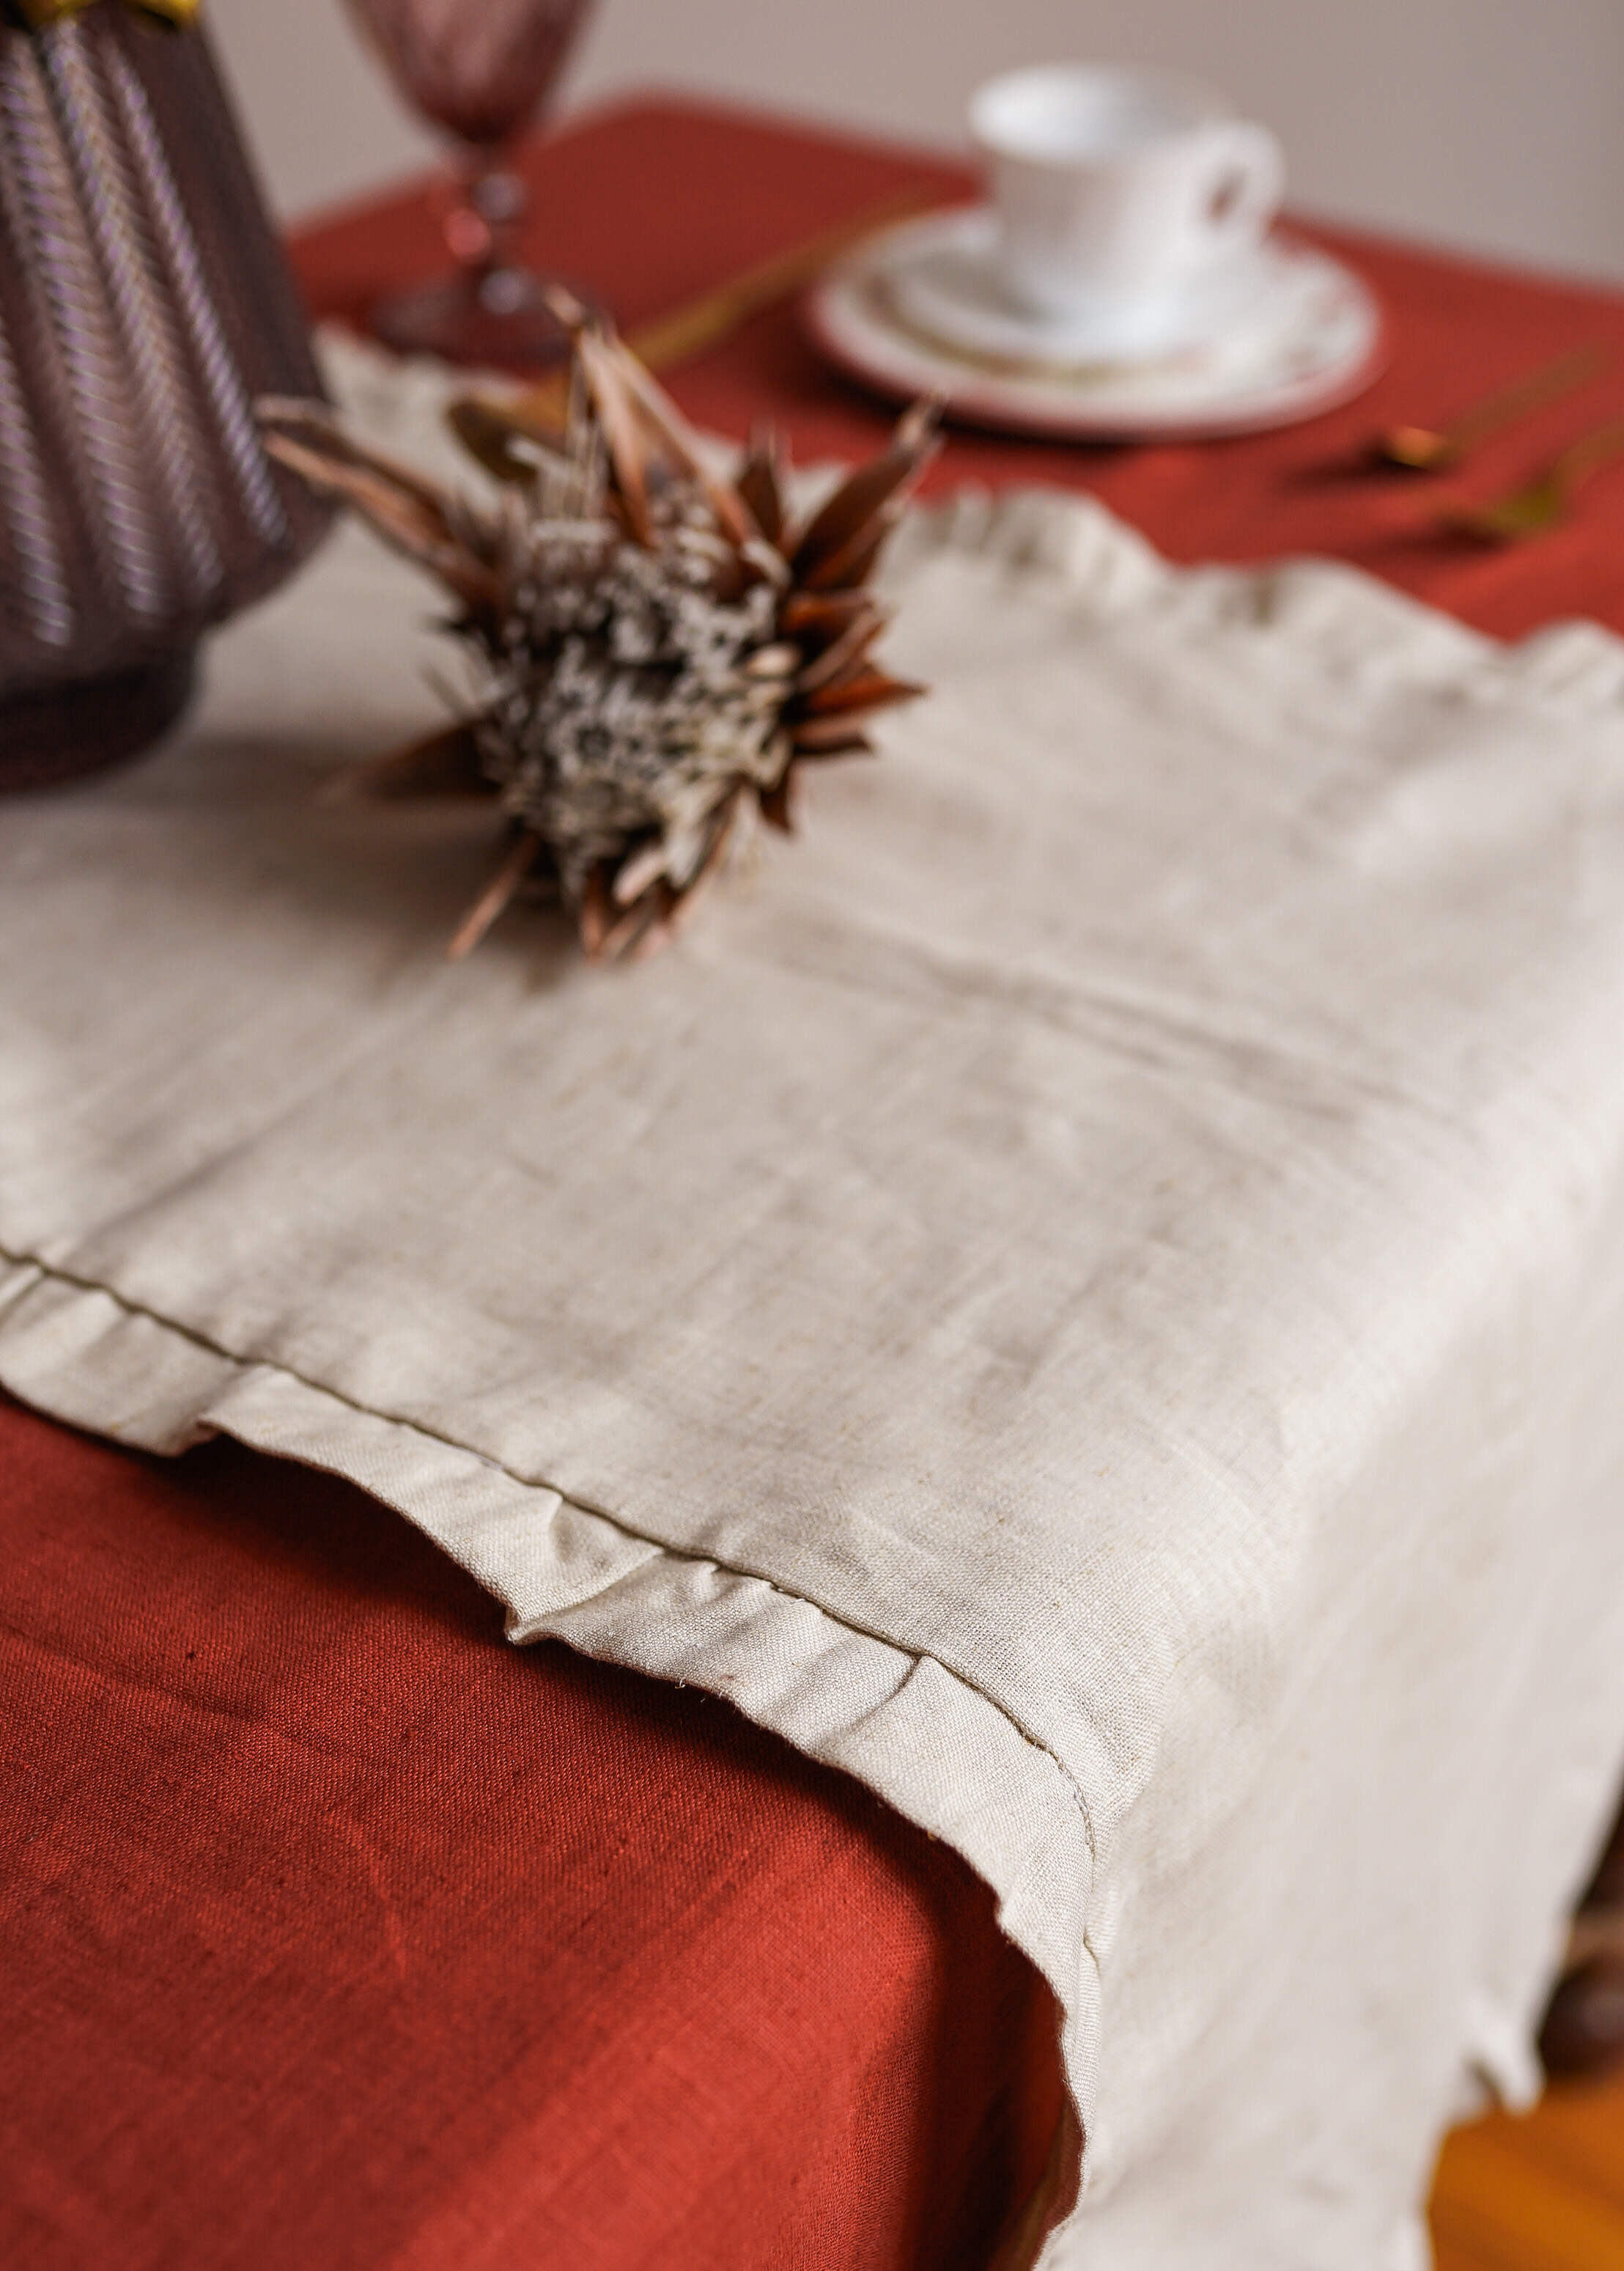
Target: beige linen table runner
column 1086, row 1290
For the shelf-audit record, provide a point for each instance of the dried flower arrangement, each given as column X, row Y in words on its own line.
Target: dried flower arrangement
column 658, row 649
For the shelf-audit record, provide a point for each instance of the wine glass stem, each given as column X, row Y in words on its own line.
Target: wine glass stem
column 486, row 221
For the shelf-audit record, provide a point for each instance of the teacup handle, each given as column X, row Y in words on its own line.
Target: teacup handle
column 1242, row 180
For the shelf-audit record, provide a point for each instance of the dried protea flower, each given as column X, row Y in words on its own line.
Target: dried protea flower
column 657, row 649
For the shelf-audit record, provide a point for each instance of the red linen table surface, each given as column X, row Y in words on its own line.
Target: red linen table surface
column 336, row 1933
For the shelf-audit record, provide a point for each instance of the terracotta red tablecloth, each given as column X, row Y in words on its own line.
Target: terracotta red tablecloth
column 336, row 1933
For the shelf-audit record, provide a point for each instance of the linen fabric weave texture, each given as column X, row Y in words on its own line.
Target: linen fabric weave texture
column 336, row 1933
column 1085, row 1292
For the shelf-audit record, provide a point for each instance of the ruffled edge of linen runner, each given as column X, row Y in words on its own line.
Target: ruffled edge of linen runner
column 923, row 1739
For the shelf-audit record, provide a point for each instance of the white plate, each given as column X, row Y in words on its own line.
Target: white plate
column 1280, row 336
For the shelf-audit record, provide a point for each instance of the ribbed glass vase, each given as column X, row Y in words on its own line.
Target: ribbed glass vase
column 145, row 304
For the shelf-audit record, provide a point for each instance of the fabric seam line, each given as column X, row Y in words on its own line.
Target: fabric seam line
column 448, row 1442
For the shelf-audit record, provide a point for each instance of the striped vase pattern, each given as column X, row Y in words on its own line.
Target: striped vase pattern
column 144, row 306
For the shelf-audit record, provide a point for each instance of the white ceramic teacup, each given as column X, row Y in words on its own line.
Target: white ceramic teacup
column 1117, row 190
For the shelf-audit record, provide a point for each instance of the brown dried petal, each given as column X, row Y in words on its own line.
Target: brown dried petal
column 624, row 430
column 635, row 412
column 643, row 867
column 759, row 484
column 846, row 653
column 419, row 529
column 851, row 568
column 868, row 689
column 831, row 737
column 597, row 912
column 641, row 930
column 816, row 619
column 493, row 433
column 318, row 428
column 776, row 804
column 517, row 864
column 672, row 429
column 843, row 525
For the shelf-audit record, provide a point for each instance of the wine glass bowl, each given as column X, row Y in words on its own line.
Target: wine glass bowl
column 480, row 70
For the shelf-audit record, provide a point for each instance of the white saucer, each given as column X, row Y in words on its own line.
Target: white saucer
column 1280, row 335
column 945, row 281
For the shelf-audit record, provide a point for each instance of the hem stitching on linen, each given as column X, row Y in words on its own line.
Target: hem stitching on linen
column 52, row 1273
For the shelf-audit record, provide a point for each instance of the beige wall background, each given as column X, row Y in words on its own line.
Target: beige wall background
column 1494, row 126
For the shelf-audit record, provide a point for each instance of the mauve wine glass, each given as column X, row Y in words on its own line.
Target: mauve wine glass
column 479, row 69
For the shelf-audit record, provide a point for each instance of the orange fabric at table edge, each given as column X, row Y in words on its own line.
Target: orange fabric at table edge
column 336, row 1931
